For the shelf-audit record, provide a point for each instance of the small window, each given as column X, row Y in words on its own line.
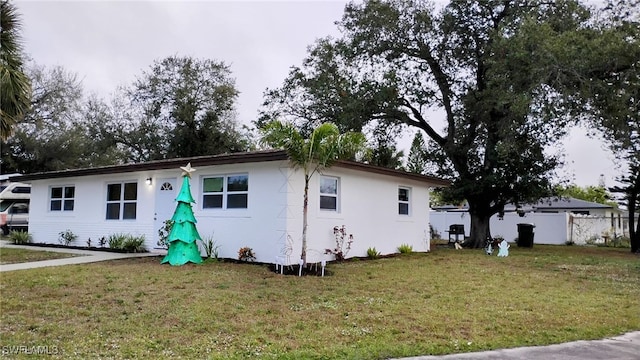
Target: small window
column 62, row 198
column 21, row 190
column 329, row 193
column 403, row 200
column 225, row 192
column 122, row 200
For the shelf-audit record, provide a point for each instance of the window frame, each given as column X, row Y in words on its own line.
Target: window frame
column 331, row 195
column 122, row 201
column 225, row 193
column 404, row 202
column 63, row 199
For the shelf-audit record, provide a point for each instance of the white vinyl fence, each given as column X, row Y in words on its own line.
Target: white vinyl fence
column 550, row 228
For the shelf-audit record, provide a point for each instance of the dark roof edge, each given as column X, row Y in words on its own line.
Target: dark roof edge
column 392, row 172
column 224, row 159
column 234, row 158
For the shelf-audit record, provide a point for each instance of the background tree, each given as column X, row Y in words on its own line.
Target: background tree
column 54, row 134
column 596, row 194
column 507, row 75
column 15, row 88
column 417, row 159
column 383, row 149
column 615, row 99
column 319, row 151
column 189, row 102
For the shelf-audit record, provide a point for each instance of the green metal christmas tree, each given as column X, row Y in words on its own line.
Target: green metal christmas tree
column 182, row 239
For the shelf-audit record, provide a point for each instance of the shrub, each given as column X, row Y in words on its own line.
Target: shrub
column 134, row 244
column 211, row 248
column 340, row 235
column 246, row 254
column 163, row 234
column 66, row 237
column 20, row 237
column 372, row 253
column 116, row 241
column 405, row 249
column 102, row 241
column 127, row 242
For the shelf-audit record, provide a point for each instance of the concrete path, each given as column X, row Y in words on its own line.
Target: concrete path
column 624, row 347
column 83, row 257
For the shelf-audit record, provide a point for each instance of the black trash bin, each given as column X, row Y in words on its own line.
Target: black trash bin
column 525, row 235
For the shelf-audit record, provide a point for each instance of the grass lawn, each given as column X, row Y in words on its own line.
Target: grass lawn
column 13, row 256
column 443, row 302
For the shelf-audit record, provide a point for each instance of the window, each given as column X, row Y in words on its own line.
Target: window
column 403, row 200
column 62, row 198
column 225, row 192
column 21, row 190
column 122, row 201
column 329, row 193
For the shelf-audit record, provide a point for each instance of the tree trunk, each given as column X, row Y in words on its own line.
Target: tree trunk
column 634, row 227
column 635, row 238
column 305, row 210
column 480, row 230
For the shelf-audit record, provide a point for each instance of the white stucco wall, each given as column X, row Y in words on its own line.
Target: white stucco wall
column 231, row 229
column 368, row 207
column 272, row 223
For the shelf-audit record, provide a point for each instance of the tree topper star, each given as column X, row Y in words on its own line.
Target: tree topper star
column 187, row 170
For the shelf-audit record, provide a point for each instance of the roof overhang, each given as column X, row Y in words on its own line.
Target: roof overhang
column 224, row 159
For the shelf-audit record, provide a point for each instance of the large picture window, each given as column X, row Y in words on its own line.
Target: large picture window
column 62, row 198
column 122, row 199
column 225, row 192
column 404, row 200
column 329, row 193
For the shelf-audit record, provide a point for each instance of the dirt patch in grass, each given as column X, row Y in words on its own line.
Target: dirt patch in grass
column 446, row 301
column 14, row 256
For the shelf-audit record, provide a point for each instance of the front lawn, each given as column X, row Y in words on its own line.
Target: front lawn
column 446, row 301
column 13, row 256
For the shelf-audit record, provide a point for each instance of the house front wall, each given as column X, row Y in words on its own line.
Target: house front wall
column 368, row 207
column 271, row 223
column 230, row 229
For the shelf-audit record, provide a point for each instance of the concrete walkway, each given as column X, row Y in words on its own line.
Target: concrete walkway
column 624, row 347
column 82, row 256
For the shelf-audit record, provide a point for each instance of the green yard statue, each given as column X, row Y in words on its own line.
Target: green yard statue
column 182, row 239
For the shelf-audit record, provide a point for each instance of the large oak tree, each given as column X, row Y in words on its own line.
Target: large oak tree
column 508, row 77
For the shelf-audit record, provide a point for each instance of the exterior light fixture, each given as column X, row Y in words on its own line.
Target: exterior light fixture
column 148, row 181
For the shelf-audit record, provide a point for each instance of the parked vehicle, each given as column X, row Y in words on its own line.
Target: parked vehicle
column 14, row 207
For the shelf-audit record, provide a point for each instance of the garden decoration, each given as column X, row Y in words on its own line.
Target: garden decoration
column 503, row 249
column 183, row 247
column 489, row 249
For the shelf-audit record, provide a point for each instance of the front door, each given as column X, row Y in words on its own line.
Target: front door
column 166, row 193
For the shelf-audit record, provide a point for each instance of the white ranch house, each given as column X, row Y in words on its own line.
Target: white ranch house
column 249, row 199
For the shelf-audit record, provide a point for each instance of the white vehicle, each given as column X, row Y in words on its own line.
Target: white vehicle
column 14, row 207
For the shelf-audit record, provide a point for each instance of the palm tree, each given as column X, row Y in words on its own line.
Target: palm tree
column 15, row 89
column 319, row 151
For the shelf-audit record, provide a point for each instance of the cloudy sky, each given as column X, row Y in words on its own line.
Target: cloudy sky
column 109, row 43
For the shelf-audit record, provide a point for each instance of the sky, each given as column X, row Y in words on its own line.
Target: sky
column 110, row 43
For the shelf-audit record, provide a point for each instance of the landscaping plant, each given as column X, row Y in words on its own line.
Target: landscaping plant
column 340, row 251
column 246, row 254
column 405, row 249
column 20, row 237
column 372, row 253
column 66, row 237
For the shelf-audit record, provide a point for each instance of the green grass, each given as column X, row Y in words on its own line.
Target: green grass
column 443, row 302
column 13, row 256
